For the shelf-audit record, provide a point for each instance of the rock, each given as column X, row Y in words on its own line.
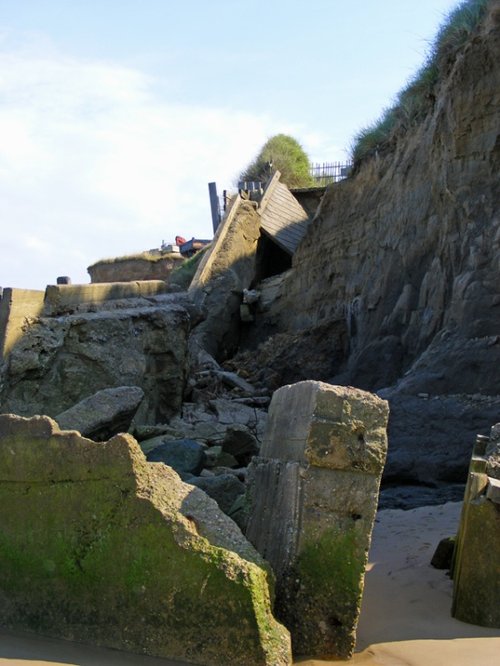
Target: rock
column 240, row 443
column 431, row 440
column 103, row 414
column 443, row 555
column 59, row 361
column 313, row 495
column 101, row 547
column 224, row 489
column 235, row 381
column 230, row 412
column 142, row 432
column 185, row 456
column 409, row 496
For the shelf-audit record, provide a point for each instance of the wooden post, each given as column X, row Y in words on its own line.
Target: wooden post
column 214, row 205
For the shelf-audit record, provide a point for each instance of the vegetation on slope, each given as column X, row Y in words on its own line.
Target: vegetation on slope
column 285, row 154
column 144, row 256
column 183, row 274
column 417, row 98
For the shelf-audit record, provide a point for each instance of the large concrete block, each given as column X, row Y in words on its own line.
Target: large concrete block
column 65, row 299
column 62, row 360
column 313, row 494
column 99, row 546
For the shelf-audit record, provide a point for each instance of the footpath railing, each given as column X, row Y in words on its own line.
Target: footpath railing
column 330, row 172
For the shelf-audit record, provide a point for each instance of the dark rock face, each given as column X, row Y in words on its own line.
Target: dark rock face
column 431, row 439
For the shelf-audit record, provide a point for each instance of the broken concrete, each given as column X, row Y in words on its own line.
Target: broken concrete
column 103, row 414
column 476, row 568
column 99, row 546
column 313, row 496
column 61, row 360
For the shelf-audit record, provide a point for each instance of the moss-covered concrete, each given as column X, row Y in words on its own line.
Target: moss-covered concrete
column 100, row 546
column 313, row 495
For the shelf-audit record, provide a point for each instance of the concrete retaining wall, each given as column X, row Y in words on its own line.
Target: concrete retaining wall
column 16, row 305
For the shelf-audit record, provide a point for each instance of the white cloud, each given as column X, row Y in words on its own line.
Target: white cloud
column 94, row 163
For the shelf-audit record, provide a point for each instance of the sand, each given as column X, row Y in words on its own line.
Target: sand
column 405, row 617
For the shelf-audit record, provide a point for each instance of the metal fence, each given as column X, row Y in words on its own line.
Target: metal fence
column 330, row 172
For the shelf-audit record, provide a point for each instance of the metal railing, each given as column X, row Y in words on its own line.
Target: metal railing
column 330, row 172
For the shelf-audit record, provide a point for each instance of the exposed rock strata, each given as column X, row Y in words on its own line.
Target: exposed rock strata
column 97, row 545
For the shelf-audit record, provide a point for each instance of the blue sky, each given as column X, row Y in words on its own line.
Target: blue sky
column 115, row 114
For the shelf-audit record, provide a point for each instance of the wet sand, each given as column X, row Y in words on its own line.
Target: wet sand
column 405, row 618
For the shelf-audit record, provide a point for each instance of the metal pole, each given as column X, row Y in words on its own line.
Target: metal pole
column 214, row 205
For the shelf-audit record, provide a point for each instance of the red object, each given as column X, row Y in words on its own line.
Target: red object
column 179, row 240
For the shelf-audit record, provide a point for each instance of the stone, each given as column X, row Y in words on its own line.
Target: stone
column 61, row 360
column 312, row 497
column 185, row 456
column 231, row 412
column 99, row 546
column 431, row 440
column 235, row 381
column 224, row 489
column 104, row 413
column 443, row 555
column 240, row 443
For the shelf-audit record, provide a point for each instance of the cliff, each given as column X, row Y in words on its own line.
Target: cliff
column 396, row 281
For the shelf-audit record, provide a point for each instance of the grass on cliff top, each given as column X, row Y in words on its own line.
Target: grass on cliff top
column 145, row 256
column 417, row 98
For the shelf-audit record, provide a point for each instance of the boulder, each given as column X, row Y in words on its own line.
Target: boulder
column 103, row 414
column 224, row 489
column 185, row 456
column 99, row 546
column 240, row 443
column 313, row 495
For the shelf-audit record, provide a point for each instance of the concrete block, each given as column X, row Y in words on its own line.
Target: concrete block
column 313, row 495
column 16, row 306
column 65, row 299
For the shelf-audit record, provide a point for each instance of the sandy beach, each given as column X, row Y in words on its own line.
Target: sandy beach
column 405, row 618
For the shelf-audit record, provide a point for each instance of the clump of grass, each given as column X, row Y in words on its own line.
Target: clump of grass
column 417, row 98
column 182, row 275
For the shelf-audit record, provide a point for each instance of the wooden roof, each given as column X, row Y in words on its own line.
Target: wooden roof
column 282, row 217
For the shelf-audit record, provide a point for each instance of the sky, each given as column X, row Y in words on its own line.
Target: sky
column 116, row 114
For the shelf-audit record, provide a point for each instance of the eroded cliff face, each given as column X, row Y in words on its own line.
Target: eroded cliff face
column 406, row 255
column 396, row 283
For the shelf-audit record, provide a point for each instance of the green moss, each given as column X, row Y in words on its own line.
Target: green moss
column 332, row 561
